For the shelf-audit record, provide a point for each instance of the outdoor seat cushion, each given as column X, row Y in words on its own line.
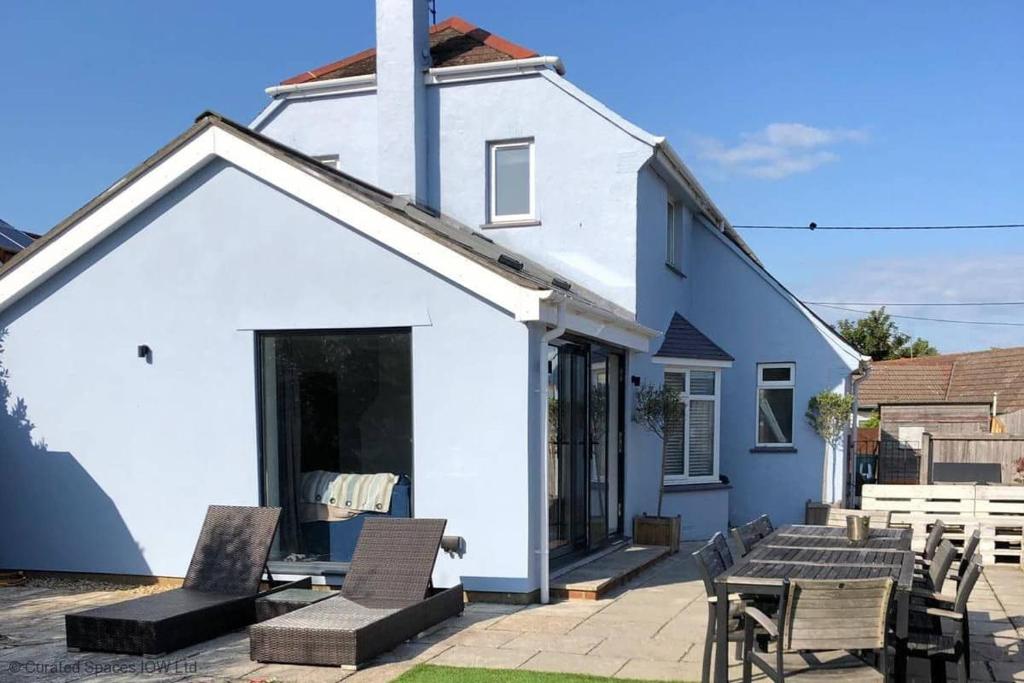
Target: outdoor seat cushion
column 159, row 623
column 159, row 606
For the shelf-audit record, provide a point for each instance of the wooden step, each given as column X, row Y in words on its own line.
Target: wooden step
column 593, row 580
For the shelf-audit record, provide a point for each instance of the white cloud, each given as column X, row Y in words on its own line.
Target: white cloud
column 779, row 149
column 934, row 278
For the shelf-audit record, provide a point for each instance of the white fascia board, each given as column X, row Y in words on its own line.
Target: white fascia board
column 106, row 218
column 669, row 162
column 853, row 356
column 511, row 67
column 692, row 362
column 435, row 76
column 521, row 302
column 593, row 322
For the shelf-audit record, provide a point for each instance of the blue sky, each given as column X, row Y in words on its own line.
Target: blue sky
column 837, row 112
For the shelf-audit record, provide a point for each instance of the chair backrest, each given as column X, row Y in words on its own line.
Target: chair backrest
column 394, row 559
column 966, row 586
column 232, row 549
column 764, row 525
column 710, row 564
column 836, row 615
column 722, row 546
column 970, row 550
column 747, row 536
column 880, row 519
column 934, row 538
column 939, row 567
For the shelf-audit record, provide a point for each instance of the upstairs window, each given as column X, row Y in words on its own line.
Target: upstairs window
column 511, row 182
column 674, row 240
column 775, row 388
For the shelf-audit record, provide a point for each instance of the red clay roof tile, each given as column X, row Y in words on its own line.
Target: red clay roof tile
column 453, row 42
column 952, row 378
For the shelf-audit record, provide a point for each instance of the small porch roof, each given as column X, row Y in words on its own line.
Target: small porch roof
column 685, row 343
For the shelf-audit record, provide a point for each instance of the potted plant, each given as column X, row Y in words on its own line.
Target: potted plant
column 654, row 407
column 828, row 413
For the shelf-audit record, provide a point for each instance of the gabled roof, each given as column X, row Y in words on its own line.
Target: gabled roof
column 455, row 251
column 951, row 378
column 684, row 341
column 453, row 42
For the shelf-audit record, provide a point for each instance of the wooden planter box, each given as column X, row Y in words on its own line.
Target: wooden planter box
column 657, row 531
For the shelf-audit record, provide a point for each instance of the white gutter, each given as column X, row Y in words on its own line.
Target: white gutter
column 329, row 87
column 542, row 452
column 442, row 74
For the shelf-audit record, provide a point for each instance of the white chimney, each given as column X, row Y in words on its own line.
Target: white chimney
column 403, row 55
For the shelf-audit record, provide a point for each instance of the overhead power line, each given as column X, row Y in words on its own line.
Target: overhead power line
column 916, row 303
column 815, row 226
column 934, row 320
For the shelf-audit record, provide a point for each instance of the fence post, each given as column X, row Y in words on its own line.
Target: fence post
column 926, row 459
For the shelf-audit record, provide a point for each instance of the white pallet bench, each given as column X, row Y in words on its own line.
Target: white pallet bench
column 997, row 511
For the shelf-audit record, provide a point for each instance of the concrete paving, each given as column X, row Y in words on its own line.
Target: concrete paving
column 651, row 629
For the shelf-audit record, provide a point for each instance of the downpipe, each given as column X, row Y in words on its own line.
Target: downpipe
column 542, row 451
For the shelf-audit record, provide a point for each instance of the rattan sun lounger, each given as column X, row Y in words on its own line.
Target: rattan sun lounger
column 385, row 600
column 218, row 594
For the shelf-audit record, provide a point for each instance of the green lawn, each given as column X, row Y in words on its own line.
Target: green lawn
column 425, row 673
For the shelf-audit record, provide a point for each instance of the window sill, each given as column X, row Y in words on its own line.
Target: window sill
column 675, row 269
column 693, row 488
column 773, row 449
column 528, row 223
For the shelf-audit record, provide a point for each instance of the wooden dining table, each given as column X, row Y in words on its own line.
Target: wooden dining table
column 816, row 552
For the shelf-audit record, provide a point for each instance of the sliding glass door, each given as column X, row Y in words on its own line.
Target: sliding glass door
column 584, row 446
column 332, row 404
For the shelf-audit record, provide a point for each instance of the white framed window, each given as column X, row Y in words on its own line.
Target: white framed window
column 776, row 383
column 512, row 189
column 691, row 441
column 328, row 160
column 672, row 234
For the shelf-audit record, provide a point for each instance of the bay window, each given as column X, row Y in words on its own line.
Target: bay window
column 691, row 440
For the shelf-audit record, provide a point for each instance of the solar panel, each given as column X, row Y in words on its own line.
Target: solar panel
column 12, row 239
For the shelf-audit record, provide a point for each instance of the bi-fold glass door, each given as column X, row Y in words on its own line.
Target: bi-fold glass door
column 585, row 417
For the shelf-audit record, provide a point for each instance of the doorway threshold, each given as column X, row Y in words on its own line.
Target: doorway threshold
column 595, row 576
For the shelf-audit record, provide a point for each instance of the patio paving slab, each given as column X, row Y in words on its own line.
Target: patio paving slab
column 483, row 657
column 653, row 628
column 590, row 665
column 545, row 642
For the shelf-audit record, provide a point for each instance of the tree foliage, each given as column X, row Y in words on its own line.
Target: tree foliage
column 876, row 335
column 654, row 407
column 828, row 413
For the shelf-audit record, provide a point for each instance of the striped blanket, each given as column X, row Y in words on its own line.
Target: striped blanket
column 361, row 492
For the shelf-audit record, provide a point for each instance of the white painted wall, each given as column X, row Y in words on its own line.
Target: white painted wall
column 135, row 452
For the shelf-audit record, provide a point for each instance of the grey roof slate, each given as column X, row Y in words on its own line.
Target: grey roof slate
column 683, row 340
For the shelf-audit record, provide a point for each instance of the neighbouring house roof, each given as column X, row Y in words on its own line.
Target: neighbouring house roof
column 12, row 240
column 951, row 378
column 457, row 238
column 453, row 42
column 684, row 341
